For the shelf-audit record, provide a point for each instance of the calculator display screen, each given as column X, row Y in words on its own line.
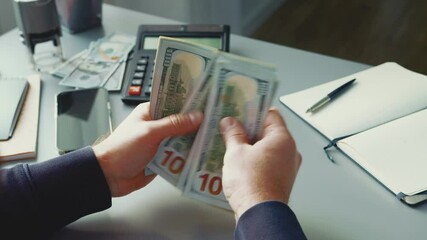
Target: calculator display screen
column 150, row 43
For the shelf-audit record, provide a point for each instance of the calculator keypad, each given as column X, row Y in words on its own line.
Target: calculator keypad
column 140, row 80
column 136, row 86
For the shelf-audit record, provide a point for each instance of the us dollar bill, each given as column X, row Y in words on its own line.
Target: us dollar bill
column 242, row 88
column 181, row 72
column 89, row 74
column 114, row 83
column 67, row 67
column 190, row 77
column 101, row 65
column 171, row 157
column 179, row 67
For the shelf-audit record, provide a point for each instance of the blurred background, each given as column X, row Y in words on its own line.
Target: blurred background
column 366, row 31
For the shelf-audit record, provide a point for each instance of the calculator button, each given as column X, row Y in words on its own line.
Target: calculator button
column 143, row 61
column 140, row 68
column 136, row 82
column 138, row 75
column 134, row 90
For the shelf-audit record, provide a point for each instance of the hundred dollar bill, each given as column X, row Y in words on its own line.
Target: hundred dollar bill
column 180, row 71
column 171, row 156
column 89, row 74
column 242, row 88
column 67, row 67
column 114, row 83
column 107, row 51
column 179, row 66
column 103, row 60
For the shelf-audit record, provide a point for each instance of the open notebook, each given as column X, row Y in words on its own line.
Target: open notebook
column 380, row 123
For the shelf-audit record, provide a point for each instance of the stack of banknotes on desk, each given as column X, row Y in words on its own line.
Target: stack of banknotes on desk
column 190, row 77
column 103, row 64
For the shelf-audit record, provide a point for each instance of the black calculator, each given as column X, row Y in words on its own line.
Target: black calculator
column 138, row 78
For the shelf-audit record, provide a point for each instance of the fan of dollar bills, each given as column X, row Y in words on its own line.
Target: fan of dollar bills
column 103, row 64
column 190, row 77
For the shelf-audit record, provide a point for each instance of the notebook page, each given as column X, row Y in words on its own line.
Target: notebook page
column 394, row 153
column 379, row 95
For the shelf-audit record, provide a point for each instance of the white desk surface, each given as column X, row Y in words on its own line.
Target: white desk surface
column 332, row 201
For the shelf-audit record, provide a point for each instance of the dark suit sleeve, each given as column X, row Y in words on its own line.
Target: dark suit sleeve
column 38, row 199
column 269, row 220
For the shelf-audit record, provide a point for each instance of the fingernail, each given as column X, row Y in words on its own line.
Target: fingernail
column 195, row 117
column 226, row 123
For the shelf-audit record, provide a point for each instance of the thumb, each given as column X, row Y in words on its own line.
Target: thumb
column 176, row 124
column 273, row 123
column 232, row 131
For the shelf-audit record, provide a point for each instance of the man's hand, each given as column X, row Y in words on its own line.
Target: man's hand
column 124, row 154
column 260, row 172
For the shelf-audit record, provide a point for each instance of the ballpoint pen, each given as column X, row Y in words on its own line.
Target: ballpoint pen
column 331, row 96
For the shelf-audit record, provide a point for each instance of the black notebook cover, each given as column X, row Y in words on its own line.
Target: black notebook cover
column 12, row 96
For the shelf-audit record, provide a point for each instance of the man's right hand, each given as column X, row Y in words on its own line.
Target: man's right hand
column 264, row 171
